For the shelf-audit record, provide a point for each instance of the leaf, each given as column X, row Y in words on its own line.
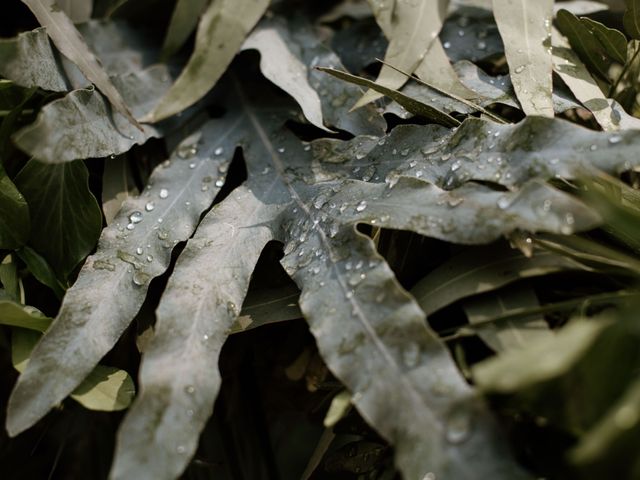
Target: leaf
column 284, row 69
column 70, row 43
column 10, row 278
column 118, row 184
column 631, row 18
column 118, row 275
column 184, row 20
column 106, row 389
column 503, row 336
column 480, row 38
column 409, row 103
column 480, row 270
column 336, row 96
column 29, row 61
column 14, row 214
column 230, row 239
column 80, row 125
column 355, row 307
column 613, row 42
column 576, row 76
column 40, row 269
column 411, row 28
column 584, row 43
column 77, row 10
column 16, row 315
column 267, row 306
column 525, row 28
column 65, row 217
column 221, row 31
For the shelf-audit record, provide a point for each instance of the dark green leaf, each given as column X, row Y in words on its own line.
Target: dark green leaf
column 583, row 42
column 613, row 42
column 14, row 214
column 66, row 219
column 632, row 18
column 40, row 269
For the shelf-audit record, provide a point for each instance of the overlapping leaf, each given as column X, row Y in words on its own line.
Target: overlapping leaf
column 525, row 28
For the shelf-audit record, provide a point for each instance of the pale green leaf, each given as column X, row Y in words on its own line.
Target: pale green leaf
column 77, row 10
column 113, row 282
column 483, row 269
column 16, row 315
column 482, row 310
column 118, row 185
column 70, row 43
column 183, row 22
column 105, row 389
column 525, row 28
column 411, row 28
column 221, row 32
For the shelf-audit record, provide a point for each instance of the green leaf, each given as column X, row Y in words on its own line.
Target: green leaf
column 584, row 43
column 525, row 28
column 501, row 336
column 118, row 185
column 483, row 269
column 106, row 389
column 412, row 105
column 411, row 28
column 16, row 315
column 14, row 214
column 267, row 306
column 576, row 76
column 221, row 32
column 183, row 22
column 40, row 269
column 135, row 248
column 70, row 43
column 29, row 61
column 10, row 279
column 613, row 42
column 65, row 217
column 632, row 18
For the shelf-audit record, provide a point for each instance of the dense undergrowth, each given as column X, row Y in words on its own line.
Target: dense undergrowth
column 244, row 239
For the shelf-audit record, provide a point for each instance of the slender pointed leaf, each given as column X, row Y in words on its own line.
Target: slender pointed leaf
column 412, row 105
column 221, row 31
column 525, row 28
column 183, row 22
column 69, row 41
column 480, row 270
column 411, row 28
